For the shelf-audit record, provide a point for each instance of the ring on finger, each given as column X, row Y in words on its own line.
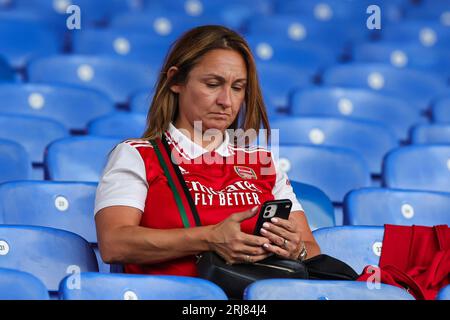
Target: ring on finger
column 285, row 243
column 248, row 259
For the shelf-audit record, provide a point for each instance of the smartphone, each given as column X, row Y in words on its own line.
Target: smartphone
column 270, row 209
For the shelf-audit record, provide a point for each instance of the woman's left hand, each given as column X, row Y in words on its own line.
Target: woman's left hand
column 285, row 237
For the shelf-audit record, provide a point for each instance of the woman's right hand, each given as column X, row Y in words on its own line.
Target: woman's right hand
column 235, row 246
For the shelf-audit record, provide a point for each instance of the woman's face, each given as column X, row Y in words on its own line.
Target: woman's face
column 214, row 90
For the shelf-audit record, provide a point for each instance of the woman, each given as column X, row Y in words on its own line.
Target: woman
column 207, row 86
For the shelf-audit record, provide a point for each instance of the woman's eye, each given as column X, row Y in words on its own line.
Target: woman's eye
column 212, row 85
column 237, row 88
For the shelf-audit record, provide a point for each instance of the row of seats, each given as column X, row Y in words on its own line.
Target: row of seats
column 64, row 264
column 333, row 169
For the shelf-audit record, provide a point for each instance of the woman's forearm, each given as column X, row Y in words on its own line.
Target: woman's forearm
column 140, row 245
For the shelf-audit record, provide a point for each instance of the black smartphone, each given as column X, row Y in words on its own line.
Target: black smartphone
column 270, row 209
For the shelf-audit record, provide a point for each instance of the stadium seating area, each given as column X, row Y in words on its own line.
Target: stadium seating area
column 364, row 120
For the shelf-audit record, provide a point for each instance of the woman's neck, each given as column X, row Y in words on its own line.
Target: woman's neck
column 208, row 139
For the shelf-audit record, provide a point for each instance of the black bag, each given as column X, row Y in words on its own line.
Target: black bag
column 233, row 279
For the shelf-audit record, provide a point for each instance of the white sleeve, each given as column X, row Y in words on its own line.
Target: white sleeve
column 283, row 189
column 123, row 181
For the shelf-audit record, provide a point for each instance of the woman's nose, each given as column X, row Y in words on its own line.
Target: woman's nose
column 224, row 98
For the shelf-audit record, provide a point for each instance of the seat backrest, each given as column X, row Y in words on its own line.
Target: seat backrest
column 417, row 87
column 372, row 140
column 316, row 204
column 78, row 158
column 34, row 133
column 441, row 110
column 140, row 101
column 120, row 125
column 333, row 170
column 431, row 134
column 293, row 289
column 6, row 72
column 98, row 286
column 421, row 167
column 358, row 246
column 79, row 107
column 62, row 205
column 115, row 77
column 47, row 253
column 356, row 103
column 379, row 206
column 15, row 163
column 19, row 285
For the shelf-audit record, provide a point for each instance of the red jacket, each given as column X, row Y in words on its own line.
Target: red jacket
column 416, row 258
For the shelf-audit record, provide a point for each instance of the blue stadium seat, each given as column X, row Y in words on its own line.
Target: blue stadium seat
column 19, row 285
column 132, row 45
column 25, row 40
column 333, row 170
column 416, row 87
column 95, row 286
column 15, row 163
column 298, row 29
column 316, row 204
column 379, row 206
column 34, row 133
column 278, row 81
column 436, row 11
column 294, row 289
column 6, row 72
column 358, row 246
column 372, row 140
column 431, row 134
column 62, row 205
column 356, row 103
column 421, row 167
column 426, row 33
column 120, row 125
column 71, row 106
column 444, row 293
column 113, row 76
column 47, row 253
column 78, row 158
column 140, row 101
column 403, row 55
column 441, row 110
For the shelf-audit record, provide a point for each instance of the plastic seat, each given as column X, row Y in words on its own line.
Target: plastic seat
column 421, row 167
column 430, row 10
column 431, row 134
column 123, row 125
column 140, row 101
column 356, row 103
column 379, row 206
column 294, row 289
column 403, row 55
column 444, row 294
column 115, row 77
column 24, row 40
column 371, row 140
column 71, row 106
column 132, row 45
column 18, row 285
column 63, row 205
column 15, row 163
column 34, row 133
column 426, row 33
column 333, row 170
column 316, row 204
column 78, row 158
column 278, row 81
column 358, row 246
column 47, row 253
column 95, row 286
column 441, row 110
column 416, row 87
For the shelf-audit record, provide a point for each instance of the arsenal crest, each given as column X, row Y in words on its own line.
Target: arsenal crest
column 245, row 172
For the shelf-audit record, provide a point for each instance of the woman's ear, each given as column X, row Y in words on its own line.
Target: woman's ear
column 170, row 73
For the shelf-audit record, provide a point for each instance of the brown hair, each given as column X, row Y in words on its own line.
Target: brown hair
column 185, row 53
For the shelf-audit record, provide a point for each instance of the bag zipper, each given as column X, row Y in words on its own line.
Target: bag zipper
column 273, row 267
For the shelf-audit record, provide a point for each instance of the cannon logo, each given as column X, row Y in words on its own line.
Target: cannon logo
column 245, row 172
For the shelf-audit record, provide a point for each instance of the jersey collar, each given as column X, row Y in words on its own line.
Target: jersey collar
column 192, row 149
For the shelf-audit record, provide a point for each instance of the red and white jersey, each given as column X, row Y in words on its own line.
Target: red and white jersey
column 222, row 182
